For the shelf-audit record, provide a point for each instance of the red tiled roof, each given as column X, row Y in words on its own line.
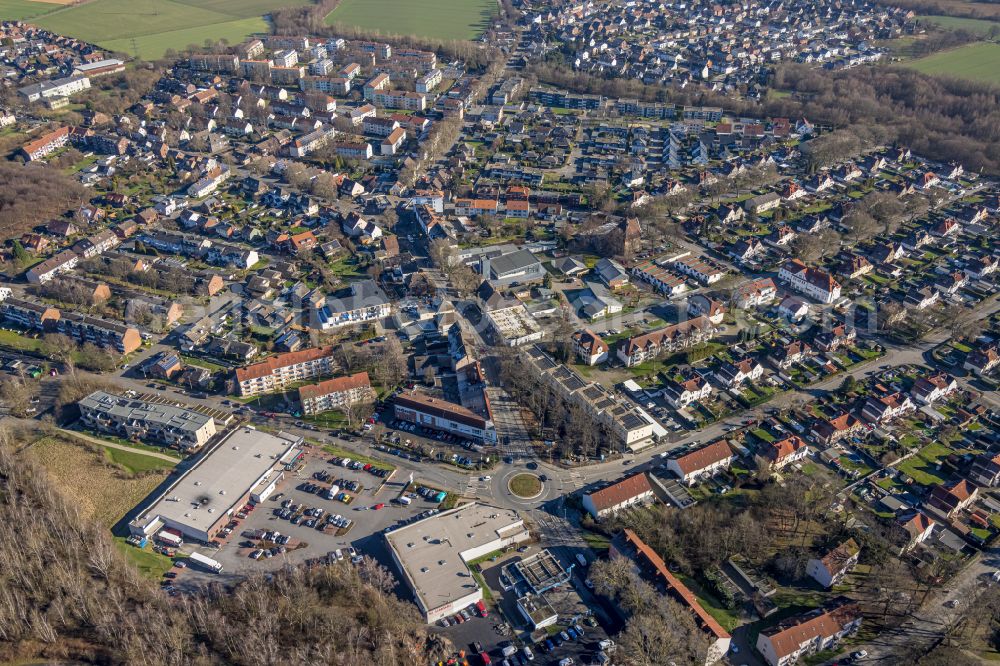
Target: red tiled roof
column 336, row 385
column 701, row 458
column 268, row 366
column 782, row 449
column 672, row 583
column 786, row 638
column 628, row 488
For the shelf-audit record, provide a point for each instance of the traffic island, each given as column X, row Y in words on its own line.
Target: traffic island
column 525, row 486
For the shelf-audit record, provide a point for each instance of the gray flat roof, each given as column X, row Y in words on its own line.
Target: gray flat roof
column 130, row 409
column 514, row 262
column 431, row 550
column 221, row 478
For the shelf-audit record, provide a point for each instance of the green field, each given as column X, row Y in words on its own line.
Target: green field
column 136, row 462
column 440, row 19
column 20, row 10
column 154, row 25
column 978, row 26
column 978, row 62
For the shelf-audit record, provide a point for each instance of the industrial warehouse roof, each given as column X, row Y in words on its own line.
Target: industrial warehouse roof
column 129, row 409
column 221, row 478
column 432, row 551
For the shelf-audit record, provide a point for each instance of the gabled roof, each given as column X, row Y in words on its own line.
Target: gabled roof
column 618, row 493
column 704, row 457
column 268, row 366
column 790, row 634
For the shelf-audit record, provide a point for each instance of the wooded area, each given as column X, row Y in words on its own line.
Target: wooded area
column 69, row 594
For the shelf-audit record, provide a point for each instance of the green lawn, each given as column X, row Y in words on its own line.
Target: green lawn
column 14, row 340
column 977, row 26
column 19, row 10
column 150, row 564
column 440, row 19
column 201, row 363
column 136, row 462
column 158, row 25
column 334, row 419
column 979, row 62
column 920, row 466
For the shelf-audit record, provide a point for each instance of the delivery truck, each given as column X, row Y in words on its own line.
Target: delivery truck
column 206, row 562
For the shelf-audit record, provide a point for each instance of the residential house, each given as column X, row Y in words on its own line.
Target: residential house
column 985, row 471
column 809, row 633
column 784, row 452
column 589, row 347
column 785, row 356
column 732, row 375
column 929, row 389
column 700, row 304
column 982, row 361
column 837, row 337
column 918, row 526
column 832, row 567
column 952, row 498
column 681, row 394
column 754, row 293
column 831, row 431
column 880, row 409
column 653, row 568
column 814, row 283
column 282, row 369
column 702, row 463
column 676, row 337
column 630, row 491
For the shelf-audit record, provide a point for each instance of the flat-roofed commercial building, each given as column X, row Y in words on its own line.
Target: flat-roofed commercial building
column 438, row 414
column 336, row 393
column 283, row 369
column 247, row 465
column 433, row 554
column 148, row 421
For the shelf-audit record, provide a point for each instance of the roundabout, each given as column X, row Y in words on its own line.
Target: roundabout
column 525, row 485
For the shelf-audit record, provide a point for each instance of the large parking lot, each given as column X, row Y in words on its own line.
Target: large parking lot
column 364, row 499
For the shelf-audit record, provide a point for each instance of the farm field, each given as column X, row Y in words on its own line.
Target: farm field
column 20, row 10
column 437, row 19
column 977, row 62
column 98, row 490
column 978, row 26
column 155, row 25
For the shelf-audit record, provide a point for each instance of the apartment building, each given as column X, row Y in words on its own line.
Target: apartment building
column 283, row 369
column 46, row 144
column 64, row 87
column 803, row 635
column 363, row 302
column 814, row 283
column 675, row 337
column 701, row 270
column 101, row 332
column 146, row 421
column 51, row 267
column 331, row 85
column 336, row 393
column 399, row 99
column 28, row 314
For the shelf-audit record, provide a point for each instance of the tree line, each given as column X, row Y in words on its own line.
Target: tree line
column 69, row 594
column 943, row 118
